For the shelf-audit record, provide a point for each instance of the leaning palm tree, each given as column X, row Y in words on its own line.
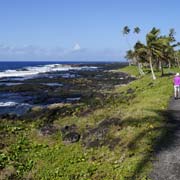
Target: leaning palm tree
column 149, row 48
column 153, row 48
column 135, row 57
column 158, row 45
column 130, row 57
column 139, row 56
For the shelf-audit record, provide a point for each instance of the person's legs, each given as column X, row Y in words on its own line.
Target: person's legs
column 176, row 91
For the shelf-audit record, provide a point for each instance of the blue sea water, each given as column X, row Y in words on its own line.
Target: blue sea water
column 13, row 65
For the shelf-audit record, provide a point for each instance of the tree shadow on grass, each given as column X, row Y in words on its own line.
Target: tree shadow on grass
column 167, row 74
column 165, row 140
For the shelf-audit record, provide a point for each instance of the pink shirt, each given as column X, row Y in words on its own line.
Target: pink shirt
column 177, row 80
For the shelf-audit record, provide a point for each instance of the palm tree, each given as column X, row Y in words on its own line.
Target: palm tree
column 153, row 48
column 158, row 50
column 171, row 34
column 174, row 45
column 130, row 56
column 126, row 30
column 137, row 30
column 136, row 57
column 139, row 56
column 149, row 48
column 168, row 55
column 177, row 57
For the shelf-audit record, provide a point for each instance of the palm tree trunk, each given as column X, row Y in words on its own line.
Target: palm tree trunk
column 169, row 64
column 160, row 65
column 157, row 65
column 141, row 72
column 162, row 70
column 129, row 62
column 152, row 71
column 177, row 61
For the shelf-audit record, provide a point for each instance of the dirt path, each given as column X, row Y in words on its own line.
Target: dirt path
column 167, row 161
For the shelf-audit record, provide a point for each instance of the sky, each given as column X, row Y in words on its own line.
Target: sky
column 80, row 30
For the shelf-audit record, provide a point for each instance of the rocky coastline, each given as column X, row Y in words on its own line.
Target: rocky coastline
column 61, row 93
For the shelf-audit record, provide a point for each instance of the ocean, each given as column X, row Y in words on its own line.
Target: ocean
column 32, row 68
column 13, row 65
column 18, row 79
column 27, row 84
column 14, row 78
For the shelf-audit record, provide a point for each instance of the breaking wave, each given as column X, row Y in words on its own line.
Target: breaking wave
column 32, row 71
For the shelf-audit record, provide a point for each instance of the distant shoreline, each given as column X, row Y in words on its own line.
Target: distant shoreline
column 59, row 61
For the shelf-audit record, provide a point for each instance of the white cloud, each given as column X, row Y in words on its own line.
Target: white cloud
column 76, row 47
column 30, row 52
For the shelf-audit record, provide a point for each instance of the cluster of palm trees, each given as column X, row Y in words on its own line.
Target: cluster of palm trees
column 157, row 52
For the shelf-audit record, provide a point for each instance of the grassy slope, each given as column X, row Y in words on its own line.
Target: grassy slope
column 31, row 155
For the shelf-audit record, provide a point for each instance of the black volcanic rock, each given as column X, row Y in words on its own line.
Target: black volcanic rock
column 68, row 129
column 98, row 136
column 70, row 133
column 71, row 137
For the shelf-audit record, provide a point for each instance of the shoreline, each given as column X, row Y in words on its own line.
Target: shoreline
column 110, row 135
column 69, row 86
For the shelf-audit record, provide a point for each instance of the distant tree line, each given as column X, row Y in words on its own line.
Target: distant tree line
column 157, row 52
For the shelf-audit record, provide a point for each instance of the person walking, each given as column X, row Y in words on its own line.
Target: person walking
column 176, row 82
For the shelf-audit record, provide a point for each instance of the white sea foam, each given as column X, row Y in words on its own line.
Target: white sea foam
column 52, row 84
column 9, row 84
column 73, row 99
column 11, row 107
column 8, row 104
column 32, row 71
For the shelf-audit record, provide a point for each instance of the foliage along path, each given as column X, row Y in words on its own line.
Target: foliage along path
column 166, row 165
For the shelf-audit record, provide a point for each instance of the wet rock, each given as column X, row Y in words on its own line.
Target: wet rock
column 71, row 137
column 40, row 98
column 9, row 116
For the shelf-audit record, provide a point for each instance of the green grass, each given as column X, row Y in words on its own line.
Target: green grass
column 29, row 155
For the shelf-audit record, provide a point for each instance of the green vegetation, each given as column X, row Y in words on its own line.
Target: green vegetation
column 157, row 52
column 117, row 139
